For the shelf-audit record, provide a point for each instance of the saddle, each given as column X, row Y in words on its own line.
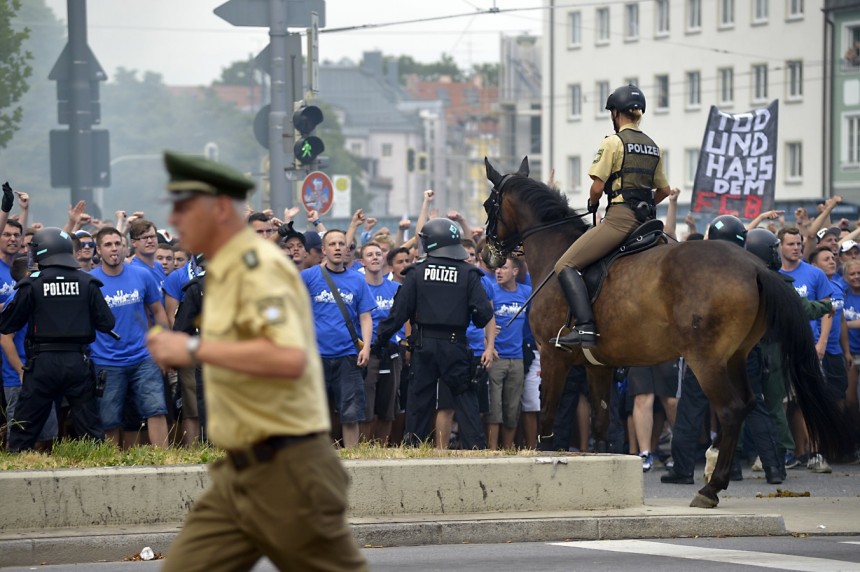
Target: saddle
column 645, row 236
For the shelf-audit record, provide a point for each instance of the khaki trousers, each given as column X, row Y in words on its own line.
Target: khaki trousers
column 600, row 240
column 290, row 509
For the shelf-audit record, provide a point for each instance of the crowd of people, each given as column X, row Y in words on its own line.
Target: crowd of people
column 148, row 278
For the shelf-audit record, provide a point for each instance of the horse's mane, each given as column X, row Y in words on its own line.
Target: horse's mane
column 546, row 204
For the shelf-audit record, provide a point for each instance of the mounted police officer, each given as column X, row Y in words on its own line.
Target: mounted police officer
column 441, row 295
column 62, row 307
column 628, row 167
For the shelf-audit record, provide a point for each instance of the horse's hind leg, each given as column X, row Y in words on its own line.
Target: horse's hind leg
column 729, row 392
column 600, row 392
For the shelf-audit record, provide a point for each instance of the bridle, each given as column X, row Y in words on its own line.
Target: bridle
column 512, row 244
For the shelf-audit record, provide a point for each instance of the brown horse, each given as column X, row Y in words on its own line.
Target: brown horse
column 708, row 301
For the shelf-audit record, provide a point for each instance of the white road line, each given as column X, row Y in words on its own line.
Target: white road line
column 849, row 542
column 737, row 557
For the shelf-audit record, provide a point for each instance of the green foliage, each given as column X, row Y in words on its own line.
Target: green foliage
column 490, row 72
column 406, row 65
column 241, row 72
column 14, row 70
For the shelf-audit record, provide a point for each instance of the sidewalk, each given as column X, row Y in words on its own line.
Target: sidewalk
column 658, row 518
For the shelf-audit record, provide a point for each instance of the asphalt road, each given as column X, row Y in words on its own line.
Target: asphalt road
column 815, row 554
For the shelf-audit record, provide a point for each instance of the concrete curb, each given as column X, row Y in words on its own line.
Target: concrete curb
column 67, row 546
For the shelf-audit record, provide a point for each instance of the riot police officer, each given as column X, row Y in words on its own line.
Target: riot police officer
column 628, row 167
column 440, row 294
column 728, row 228
column 62, row 307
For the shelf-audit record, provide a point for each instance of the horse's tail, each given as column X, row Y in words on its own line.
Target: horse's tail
column 788, row 325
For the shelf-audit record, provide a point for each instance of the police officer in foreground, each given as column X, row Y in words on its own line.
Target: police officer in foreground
column 440, row 295
column 280, row 490
column 627, row 168
column 62, row 307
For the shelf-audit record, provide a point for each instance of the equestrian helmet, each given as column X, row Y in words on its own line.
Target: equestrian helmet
column 728, row 227
column 440, row 237
column 626, row 98
column 765, row 245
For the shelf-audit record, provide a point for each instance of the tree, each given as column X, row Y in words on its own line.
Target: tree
column 14, row 70
column 406, row 66
column 241, row 72
column 490, row 72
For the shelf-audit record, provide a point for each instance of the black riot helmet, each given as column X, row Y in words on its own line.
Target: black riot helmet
column 626, row 98
column 764, row 244
column 440, row 237
column 728, row 227
column 53, row 247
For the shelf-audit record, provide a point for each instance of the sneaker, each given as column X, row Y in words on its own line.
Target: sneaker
column 818, row 464
column 791, row 462
column 756, row 466
column 647, row 461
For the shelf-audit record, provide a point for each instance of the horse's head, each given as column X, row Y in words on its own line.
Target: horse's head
column 503, row 234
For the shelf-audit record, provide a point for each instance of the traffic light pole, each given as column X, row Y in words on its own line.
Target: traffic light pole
column 80, row 112
column 280, row 197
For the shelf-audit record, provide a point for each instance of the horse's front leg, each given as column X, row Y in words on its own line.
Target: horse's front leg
column 600, row 380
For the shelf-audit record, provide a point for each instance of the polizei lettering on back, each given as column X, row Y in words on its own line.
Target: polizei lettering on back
column 433, row 273
column 50, row 289
column 641, row 149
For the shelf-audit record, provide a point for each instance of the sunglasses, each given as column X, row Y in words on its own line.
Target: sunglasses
column 88, row 244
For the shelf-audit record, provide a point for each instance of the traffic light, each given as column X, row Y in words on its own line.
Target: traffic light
column 423, row 159
column 410, row 159
column 307, row 146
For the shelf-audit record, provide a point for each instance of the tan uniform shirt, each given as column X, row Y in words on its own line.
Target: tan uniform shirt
column 253, row 291
column 609, row 158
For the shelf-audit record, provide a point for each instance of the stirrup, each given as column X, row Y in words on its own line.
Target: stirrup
column 568, row 347
column 554, row 341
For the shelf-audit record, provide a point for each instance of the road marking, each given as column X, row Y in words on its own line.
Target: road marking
column 737, row 557
column 849, row 542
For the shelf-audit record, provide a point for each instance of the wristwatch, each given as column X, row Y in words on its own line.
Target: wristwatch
column 192, row 345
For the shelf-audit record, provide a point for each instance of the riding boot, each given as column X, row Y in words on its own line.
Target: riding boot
column 583, row 333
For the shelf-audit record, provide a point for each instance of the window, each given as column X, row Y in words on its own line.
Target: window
column 726, row 85
column 694, row 15
column 691, row 159
column 761, row 11
column 694, row 89
column 631, row 81
column 575, row 93
column 851, row 141
column 387, row 149
column 355, row 148
column 574, row 22
column 664, row 154
column 794, row 161
column 759, row 73
column 535, row 140
column 662, row 14
column 727, row 13
column 794, row 79
column 603, row 25
column 662, row 84
column 631, row 23
column 602, row 96
column 574, row 173
column 795, row 9
column 851, row 47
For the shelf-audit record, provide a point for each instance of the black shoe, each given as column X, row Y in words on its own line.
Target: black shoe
column 674, row 478
column 773, row 475
column 736, row 474
column 584, row 336
column 575, row 292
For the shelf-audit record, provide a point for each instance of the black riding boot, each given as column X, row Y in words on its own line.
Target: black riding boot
column 583, row 333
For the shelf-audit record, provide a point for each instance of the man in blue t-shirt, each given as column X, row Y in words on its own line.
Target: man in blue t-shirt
column 837, row 348
column 506, row 374
column 342, row 360
column 382, row 378
column 130, row 291
column 10, row 244
column 144, row 239
column 809, row 281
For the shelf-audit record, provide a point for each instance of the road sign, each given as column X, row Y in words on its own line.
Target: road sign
column 317, row 192
column 314, row 54
column 255, row 13
column 342, row 196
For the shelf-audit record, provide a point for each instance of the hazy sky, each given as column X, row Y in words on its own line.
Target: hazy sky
column 185, row 42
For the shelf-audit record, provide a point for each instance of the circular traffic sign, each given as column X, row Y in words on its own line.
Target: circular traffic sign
column 317, row 192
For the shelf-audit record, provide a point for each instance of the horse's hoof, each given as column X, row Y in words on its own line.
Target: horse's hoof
column 701, row 501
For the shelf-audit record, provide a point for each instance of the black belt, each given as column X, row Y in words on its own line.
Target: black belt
column 264, row 451
column 79, row 348
column 443, row 333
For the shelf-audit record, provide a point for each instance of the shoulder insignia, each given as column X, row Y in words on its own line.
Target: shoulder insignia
column 598, row 156
column 250, row 259
column 273, row 310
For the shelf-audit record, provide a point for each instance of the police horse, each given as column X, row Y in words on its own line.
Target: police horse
column 708, row 301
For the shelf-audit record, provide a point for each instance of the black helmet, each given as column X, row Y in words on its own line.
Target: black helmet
column 441, row 238
column 764, row 244
column 728, row 227
column 626, row 98
column 53, row 247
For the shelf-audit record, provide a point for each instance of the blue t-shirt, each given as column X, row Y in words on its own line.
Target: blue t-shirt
column 476, row 335
column 839, row 283
column 10, row 376
column 7, row 285
column 128, row 296
column 156, row 270
column 509, row 340
column 838, row 301
column 383, row 294
column 812, row 284
column 851, row 309
column 333, row 337
column 174, row 282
